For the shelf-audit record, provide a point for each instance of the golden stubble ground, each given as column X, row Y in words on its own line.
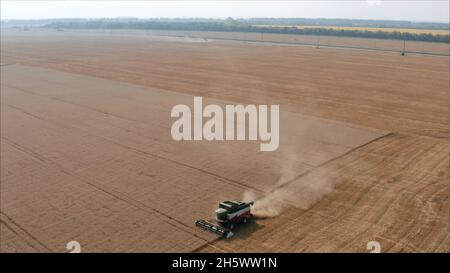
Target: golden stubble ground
column 86, row 150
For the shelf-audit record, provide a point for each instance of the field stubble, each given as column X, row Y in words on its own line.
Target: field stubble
column 86, row 126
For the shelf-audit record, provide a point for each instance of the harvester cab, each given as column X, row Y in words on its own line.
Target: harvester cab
column 228, row 215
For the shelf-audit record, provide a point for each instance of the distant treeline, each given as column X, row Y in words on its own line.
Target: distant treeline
column 347, row 23
column 248, row 25
column 252, row 21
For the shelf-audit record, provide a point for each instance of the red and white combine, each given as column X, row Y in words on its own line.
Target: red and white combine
column 228, row 215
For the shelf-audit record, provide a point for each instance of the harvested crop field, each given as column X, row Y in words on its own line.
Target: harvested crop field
column 87, row 155
column 286, row 39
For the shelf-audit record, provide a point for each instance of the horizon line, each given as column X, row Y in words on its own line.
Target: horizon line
column 223, row 18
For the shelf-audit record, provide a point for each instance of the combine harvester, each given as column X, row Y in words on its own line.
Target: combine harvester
column 228, row 215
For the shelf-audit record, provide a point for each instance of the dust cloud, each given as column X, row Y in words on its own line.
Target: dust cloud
column 301, row 192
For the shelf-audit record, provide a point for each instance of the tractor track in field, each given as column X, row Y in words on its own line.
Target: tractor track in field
column 114, row 193
column 145, row 153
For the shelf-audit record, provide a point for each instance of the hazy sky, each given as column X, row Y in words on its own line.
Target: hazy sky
column 432, row 11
